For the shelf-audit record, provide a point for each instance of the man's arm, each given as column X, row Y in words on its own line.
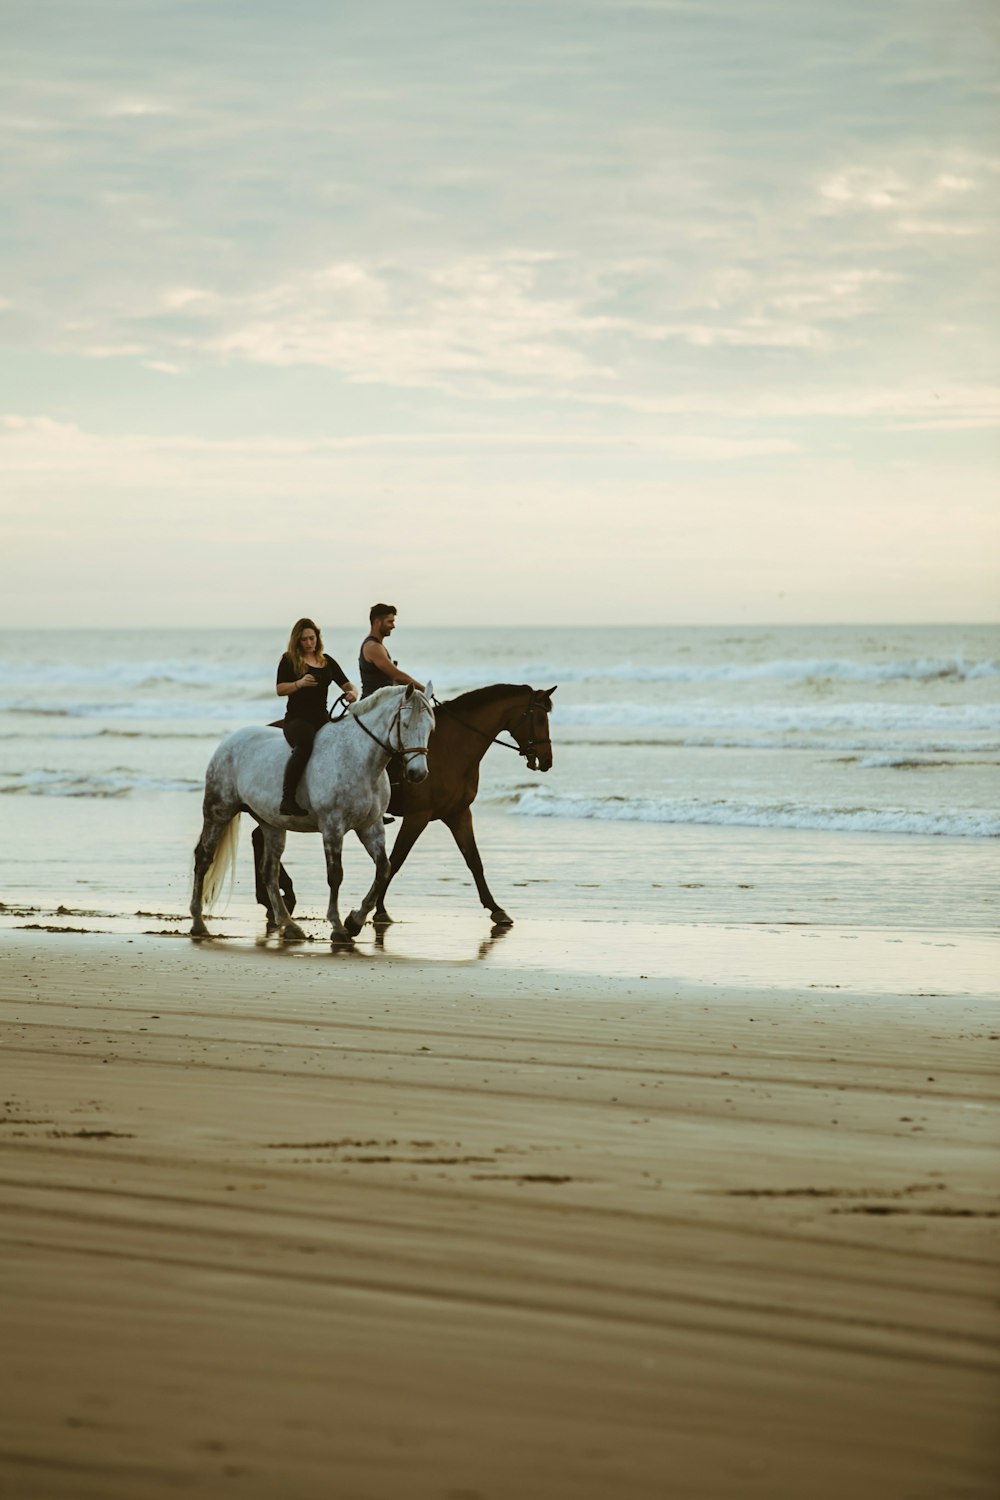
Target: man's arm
column 375, row 652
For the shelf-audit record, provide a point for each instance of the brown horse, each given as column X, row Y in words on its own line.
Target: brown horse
column 465, row 729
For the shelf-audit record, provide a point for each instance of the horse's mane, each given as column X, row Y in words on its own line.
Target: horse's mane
column 364, row 705
column 478, row 697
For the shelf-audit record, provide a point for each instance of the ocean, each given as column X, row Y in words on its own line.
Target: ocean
column 707, row 781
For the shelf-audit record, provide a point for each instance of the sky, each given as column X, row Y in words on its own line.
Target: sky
column 526, row 312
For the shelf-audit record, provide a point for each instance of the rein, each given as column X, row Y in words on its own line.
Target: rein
column 396, row 724
column 494, row 739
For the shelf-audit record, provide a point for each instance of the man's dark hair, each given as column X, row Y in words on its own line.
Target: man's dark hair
column 379, row 612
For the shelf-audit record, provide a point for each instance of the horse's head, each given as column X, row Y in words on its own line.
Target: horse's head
column 530, row 728
column 416, row 722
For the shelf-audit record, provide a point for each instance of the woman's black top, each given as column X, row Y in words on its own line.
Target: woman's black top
column 309, row 703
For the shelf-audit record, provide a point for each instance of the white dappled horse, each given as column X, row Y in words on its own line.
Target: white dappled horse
column 344, row 786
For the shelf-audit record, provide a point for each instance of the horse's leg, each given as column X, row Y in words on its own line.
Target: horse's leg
column 287, row 889
column 213, row 827
column 260, row 889
column 333, row 848
column 462, row 832
column 272, row 842
column 373, row 838
column 412, row 827
column 284, row 881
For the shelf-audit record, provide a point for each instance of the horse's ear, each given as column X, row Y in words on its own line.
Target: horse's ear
column 429, row 690
column 551, row 691
column 409, row 691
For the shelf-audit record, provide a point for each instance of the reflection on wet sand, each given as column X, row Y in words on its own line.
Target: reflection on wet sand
column 390, row 940
column 498, row 931
column 778, row 956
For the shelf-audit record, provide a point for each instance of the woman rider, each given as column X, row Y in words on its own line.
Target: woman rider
column 304, row 677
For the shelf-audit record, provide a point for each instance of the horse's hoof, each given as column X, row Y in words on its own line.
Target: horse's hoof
column 501, row 919
column 293, row 933
column 382, row 919
column 354, row 924
column 199, row 930
column 341, row 938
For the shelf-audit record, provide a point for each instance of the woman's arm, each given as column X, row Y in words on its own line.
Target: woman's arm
column 286, row 689
column 287, row 683
column 342, row 680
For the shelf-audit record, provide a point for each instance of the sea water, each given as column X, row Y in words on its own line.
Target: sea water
column 817, row 777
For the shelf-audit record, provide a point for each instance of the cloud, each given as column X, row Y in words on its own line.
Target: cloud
column 39, row 450
column 476, row 316
column 864, row 188
column 131, row 109
column 918, row 188
column 938, row 228
column 471, row 324
column 958, row 405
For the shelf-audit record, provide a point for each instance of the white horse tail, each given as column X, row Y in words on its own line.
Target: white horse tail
column 222, row 871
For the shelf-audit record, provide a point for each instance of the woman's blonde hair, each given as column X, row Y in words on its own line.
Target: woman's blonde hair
column 294, row 653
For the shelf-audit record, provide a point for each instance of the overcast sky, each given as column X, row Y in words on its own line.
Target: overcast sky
column 529, row 311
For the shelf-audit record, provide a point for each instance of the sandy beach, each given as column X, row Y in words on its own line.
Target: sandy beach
column 287, row 1223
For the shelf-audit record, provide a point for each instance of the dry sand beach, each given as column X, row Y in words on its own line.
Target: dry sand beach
column 282, row 1224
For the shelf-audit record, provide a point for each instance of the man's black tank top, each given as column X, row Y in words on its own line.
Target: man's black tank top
column 372, row 677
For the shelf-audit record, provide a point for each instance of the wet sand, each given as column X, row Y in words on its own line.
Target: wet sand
column 282, row 1223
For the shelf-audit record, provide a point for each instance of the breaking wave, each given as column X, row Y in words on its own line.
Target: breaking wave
column 159, row 710
column 211, row 675
column 68, row 784
column 135, row 674
column 725, row 813
column 777, row 718
column 925, row 669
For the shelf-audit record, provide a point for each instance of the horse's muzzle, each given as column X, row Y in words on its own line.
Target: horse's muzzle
column 415, row 772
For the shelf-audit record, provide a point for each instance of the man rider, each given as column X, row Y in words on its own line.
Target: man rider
column 376, row 666
column 378, row 670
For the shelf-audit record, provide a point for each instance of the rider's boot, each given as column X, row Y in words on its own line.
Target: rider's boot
column 293, row 771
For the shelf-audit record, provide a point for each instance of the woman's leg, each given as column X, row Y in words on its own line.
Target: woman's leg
column 300, row 736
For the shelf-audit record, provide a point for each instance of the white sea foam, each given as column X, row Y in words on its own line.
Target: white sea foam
column 132, row 674
column 769, row 718
column 216, row 675
column 543, row 804
column 897, row 763
column 235, row 712
column 789, row 670
column 834, row 746
column 688, row 718
column 67, row 784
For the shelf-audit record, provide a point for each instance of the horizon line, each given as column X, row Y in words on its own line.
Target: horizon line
column 838, row 624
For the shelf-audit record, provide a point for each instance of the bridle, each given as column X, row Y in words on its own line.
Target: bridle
column 528, row 749
column 397, row 724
